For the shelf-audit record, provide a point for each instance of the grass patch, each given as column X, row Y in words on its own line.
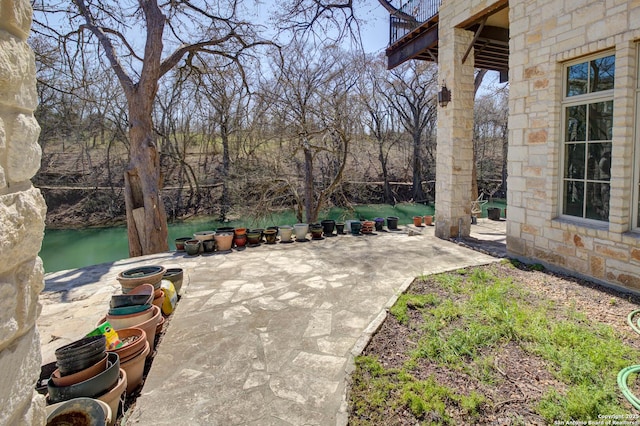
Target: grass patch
column 466, row 318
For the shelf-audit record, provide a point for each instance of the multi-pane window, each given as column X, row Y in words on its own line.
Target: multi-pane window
column 588, row 125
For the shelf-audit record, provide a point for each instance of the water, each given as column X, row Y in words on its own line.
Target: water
column 76, row 248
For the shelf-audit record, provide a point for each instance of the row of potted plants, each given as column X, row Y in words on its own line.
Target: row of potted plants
column 224, row 239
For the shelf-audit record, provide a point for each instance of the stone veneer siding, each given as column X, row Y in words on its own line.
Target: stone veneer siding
column 22, row 213
column 545, row 34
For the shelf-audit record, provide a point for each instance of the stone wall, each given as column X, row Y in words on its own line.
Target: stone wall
column 22, row 213
column 545, row 34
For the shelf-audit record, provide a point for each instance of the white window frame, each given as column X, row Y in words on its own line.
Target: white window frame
column 568, row 101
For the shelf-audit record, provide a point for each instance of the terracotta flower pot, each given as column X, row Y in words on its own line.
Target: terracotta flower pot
column 91, row 387
column 240, row 231
column 368, row 227
column 428, row 220
column 114, row 396
column 224, row 241
column 127, row 321
column 134, row 367
column 149, row 326
column 132, row 278
column 138, row 339
column 80, row 376
column 417, row 221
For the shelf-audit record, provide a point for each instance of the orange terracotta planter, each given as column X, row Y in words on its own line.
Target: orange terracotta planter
column 417, row 221
column 428, row 220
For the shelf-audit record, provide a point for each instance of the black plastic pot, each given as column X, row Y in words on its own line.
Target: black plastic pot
column 328, row 226
column 91, row 388
column 80, row 354
column 392, row 222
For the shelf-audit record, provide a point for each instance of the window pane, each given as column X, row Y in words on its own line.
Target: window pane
column 577, row 79
column 574, row 161
column 598, row 201
column 599, row 165
column 576, row 123
column 573, row 198
column 603, row 73
column 601, row 121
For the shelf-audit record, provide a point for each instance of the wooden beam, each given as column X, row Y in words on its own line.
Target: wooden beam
column 410, row 50
column 475, row 38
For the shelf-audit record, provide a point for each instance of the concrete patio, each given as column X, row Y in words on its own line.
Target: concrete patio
column 266, row 335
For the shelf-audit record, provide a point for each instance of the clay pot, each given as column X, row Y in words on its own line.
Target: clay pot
column 192, row 247
column 301, row 230
column 149, row 326
column 160, row 325
column 316, row 231
column 132, row 278
column 91, row 411
column 285, row 233
column 368, row 226
column 114, row 396
column 158, row 298
column 136, row 346
column 428, row 220
column 134, row 368
column 417, row 221
column 240, row 240
column 254, row 237
column 127, row 321
column 80, row 376
column 180, row 243
column 224, row 241
column 175, row 275
column 270, row 235
column 240, row 231
column 91, row 387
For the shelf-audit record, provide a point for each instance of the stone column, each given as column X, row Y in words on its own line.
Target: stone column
column 22, row 213
column 455, row 133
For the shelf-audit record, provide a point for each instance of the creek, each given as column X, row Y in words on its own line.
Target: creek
column 64, row 249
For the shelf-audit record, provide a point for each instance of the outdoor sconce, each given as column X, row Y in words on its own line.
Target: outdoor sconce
column 444, row 96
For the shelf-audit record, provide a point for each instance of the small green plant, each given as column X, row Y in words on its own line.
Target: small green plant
column 411, row 301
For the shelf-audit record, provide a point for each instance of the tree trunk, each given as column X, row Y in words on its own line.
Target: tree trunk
column 308, row 184
column 387, row 195
column 225, row 201
column 146, row 216
column 418, row 193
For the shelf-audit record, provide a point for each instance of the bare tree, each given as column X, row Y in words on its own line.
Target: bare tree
column 110, row 31
column 312, row 95
column 411, row 90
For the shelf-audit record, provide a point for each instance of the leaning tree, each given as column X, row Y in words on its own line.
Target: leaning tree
column 142, row 40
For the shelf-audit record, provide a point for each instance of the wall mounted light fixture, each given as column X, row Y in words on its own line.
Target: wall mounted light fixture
column 444, row 96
